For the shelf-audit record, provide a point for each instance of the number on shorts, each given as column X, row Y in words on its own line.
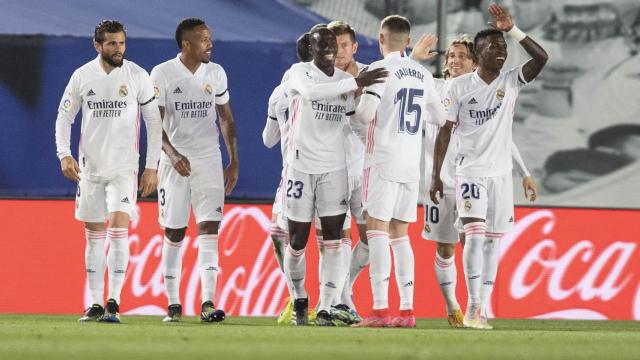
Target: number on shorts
column 161, row 197
column 78, row 191
column 432, row 214
column 470, row 191
column 297, row 194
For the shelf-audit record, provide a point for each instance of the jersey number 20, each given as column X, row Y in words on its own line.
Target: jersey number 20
column 406, row 98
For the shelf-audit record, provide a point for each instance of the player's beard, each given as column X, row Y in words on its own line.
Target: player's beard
column 112, row 62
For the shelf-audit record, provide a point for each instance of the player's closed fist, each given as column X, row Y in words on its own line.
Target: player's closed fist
column 70, row 168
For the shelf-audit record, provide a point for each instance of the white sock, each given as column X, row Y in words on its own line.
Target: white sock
column 447, row 276
column 208, row 264
column 359, row 261
column 117, row 260
column 472, row 258
column 380, row 268
column 331, row 274
column 404, row 265
column 95, row 258
column 320, row 256
column 172, row 269
column 279, row 238
column 490, row 252
column 345, row 260
column 295, row 269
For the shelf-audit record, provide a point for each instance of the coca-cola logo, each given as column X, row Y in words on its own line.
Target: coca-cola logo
column 249, row 281
column 551, row 268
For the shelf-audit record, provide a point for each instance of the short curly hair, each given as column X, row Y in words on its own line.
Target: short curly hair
column 107, row 26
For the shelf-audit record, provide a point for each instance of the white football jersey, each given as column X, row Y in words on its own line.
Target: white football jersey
column 354, row 146
column 190, row 101
column 394, row 137
column 448, row 170
column 318, row 110
column 279, row 111
column 110, row 130
column 484, row 114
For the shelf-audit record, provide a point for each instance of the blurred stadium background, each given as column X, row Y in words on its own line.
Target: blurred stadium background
column 573, row 255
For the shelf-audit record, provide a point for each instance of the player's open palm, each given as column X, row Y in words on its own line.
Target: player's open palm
column 422, row 48
column 230, row 177
column 369, row 77
column 149, row 182
column 70, row 168
column 501, row 19
column 436, row 187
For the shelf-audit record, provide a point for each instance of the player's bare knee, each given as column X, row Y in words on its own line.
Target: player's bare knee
column 175, row 235
column 298, row 234
column 468, row 220
column 208, row 227
column 446, row 251
column 332, row 226
column 119, row 219
column 95, row 226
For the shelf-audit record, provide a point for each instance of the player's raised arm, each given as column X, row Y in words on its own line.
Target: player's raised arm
column 228, row 128
column 422, row 50
column 502, row 21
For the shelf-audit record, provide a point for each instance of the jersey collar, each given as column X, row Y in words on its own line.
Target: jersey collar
column 184, row 68
column 397, row 54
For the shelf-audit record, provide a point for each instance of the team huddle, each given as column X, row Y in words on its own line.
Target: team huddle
column 351, row 140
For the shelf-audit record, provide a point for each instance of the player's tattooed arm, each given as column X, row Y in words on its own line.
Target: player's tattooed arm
column 179, row 161
column 502, row 21
column 228, row 128
column 439, row 151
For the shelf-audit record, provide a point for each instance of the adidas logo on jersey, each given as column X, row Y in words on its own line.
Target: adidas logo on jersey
column 90, row 93
column 177, row 91
column 343, row 202
column 219, row 209
column 125, row 200
column 511, row 219
column 472, row 101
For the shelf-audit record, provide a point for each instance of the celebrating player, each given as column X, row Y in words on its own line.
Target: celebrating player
column 316, row 180
column 483, row 103
column 395, row 112
column 192, row 92
column 109, row 90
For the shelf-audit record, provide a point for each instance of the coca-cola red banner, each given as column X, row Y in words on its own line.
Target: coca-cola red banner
column 556, row 263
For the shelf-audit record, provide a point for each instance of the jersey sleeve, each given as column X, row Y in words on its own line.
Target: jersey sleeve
column 302, row 81
column 70, row 104
column 146, row 92
column 159, row 86
column 222, row 90
column 452, row 102
column 516, row 77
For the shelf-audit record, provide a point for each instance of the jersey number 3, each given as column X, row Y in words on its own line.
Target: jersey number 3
column 406, row 98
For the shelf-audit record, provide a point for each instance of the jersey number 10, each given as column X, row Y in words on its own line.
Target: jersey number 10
column 406, row 98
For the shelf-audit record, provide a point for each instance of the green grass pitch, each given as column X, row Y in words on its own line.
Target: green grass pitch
column 146, row 337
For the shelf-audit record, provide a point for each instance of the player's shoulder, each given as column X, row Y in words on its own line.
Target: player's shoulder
column 361, row 66
column 277, row 93
column 462, row 80
column 214, row 68
column 340, row 74
column 378, row 64
column 165, row 66
column 134, row 69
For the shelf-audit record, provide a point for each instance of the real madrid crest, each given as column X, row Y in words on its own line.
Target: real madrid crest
column 500, row 94
column 156, row 91
column 208, row 89
column 467, row 205
column 427, row 228
column 123, row 90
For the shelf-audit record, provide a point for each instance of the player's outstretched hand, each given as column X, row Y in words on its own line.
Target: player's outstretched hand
column 231, row 177
column 436, row 187
column 501, row 19
column 149, row 182
column 530, row 188
column 422, row 49
column 70, row 168
column 181, row 164
column 369, row 77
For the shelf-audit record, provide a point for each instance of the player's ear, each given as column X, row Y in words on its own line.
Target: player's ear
column 407, row 42
column 97, row 46
column 381, row 38
column 355, row 47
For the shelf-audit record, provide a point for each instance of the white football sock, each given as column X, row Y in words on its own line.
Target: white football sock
column 359, row 261
column 295, row 269
column 117, row 260
column 345, row 260
column 404, row 266
column 330, row 275
column 490, row 253
column 172, row 269
column 472, row 259
column 95, row 257
column 279, row 238
column 447, row 276
column 208, row 264
column 380, row 268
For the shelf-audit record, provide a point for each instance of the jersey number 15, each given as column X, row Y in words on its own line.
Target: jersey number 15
column 406, row 98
